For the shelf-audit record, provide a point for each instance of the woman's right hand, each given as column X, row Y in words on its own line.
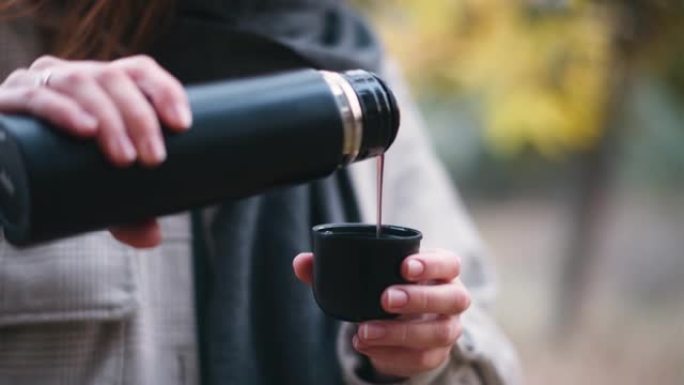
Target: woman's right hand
column 120, row 103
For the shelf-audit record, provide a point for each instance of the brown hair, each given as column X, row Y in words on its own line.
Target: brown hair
column 94, row 29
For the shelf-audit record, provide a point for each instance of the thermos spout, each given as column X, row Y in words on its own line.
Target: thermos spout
column 369, row 112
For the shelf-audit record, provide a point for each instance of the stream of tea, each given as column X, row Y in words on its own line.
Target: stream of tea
column 380, row 174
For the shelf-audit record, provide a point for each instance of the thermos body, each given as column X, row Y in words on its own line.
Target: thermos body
column 248, row 135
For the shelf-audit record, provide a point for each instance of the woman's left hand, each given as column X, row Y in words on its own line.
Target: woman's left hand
column 422, row 338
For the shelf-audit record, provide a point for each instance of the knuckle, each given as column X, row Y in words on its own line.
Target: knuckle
column 140, row 117
column 455, row 305
column 142, row 122
column 165, row 93
column 15, row 76
column 76, row 78
column 109, row 74
column 464, row 300
column 445, row 333
column 459, row 301
column 30, row 95
column 423, row 300
column 112, row 127
column 145, row 61
column 44, row 61
column 403, row 334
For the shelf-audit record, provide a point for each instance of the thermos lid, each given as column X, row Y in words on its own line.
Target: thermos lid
column 380, row 112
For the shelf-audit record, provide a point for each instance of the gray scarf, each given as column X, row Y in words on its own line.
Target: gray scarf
column 258, row 324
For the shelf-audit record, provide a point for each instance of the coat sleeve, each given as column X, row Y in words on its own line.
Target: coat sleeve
column 418, row 193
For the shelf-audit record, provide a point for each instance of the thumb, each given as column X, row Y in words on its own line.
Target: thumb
column 303, row 267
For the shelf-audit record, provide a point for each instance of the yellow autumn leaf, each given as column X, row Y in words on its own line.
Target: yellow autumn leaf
column 542, row 75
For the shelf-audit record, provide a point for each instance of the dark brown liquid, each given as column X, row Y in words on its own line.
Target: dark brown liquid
column 380, row 174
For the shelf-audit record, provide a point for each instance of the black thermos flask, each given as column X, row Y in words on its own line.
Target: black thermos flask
column 248, row 135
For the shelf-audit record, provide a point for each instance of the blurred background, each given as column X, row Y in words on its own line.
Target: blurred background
column 562, row 124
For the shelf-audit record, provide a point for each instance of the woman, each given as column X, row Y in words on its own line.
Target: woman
column 89, row 310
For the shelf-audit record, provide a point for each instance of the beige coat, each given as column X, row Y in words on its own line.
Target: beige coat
column 89, row 310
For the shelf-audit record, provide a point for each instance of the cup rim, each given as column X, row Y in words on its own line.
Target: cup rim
column 398, row 232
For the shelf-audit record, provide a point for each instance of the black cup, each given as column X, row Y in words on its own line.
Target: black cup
column 352, row 267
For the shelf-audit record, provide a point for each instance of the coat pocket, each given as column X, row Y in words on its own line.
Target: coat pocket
column 64, row 311
column 84, row 278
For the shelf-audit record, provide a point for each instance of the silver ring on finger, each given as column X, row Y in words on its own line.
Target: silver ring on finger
column 44, row 79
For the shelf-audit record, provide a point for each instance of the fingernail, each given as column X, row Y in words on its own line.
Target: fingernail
column 396, row 298
column 355, row 342
column 184, row 115
column 126, row 149
column 156, row 149
column 415, row 268
column 372, row 331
